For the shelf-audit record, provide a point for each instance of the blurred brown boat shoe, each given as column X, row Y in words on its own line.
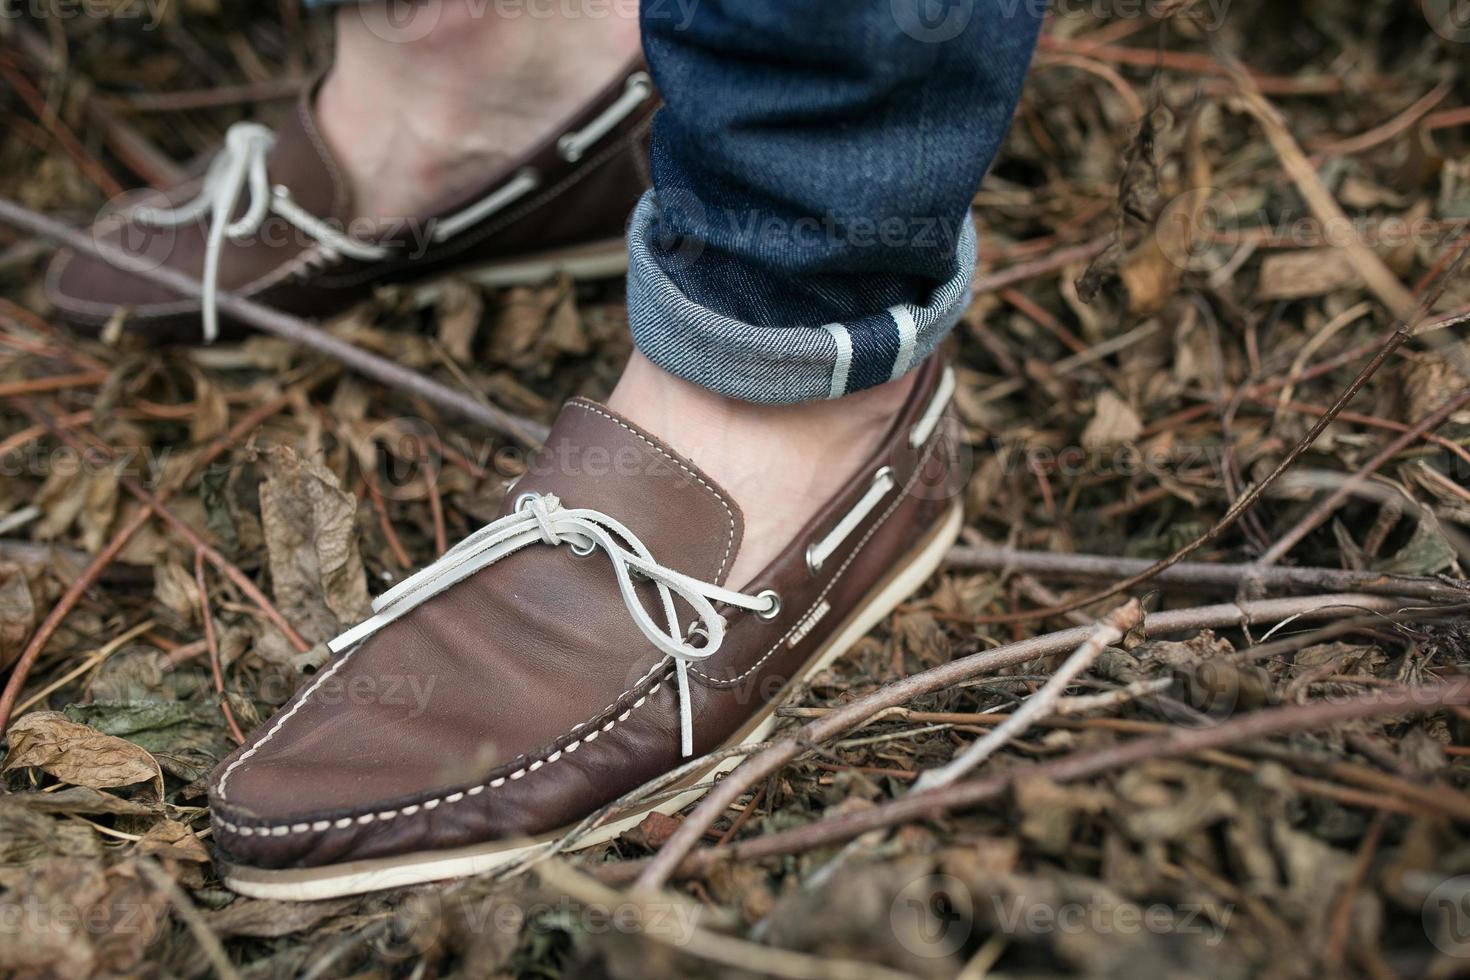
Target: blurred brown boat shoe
column 578, row 646
column 272, row 221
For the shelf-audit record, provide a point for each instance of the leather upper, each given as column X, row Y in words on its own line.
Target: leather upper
column 540, row 700
column 576, row 202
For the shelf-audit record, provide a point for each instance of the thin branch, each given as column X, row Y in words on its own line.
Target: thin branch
column 108, row 555
column 1338, row 497
column 283, row 325
column 1365, row 262
column 209, row 943
column 56, row 382
column 1199, row 574
column 1181, row 742
column 762, row 764
column 1400, row 336
column 1109, row 630
column 213, row 647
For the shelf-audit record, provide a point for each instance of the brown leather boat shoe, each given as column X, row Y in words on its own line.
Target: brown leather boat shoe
column 578, row 646
column 272, row 221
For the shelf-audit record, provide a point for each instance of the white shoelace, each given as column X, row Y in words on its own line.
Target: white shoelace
column 240, row 167
column 542, row 519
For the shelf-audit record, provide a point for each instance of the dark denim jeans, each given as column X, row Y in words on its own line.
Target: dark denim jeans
column 808, row 233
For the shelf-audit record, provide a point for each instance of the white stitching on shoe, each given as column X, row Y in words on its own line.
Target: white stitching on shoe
column 729, row 513
column 329, row 162
column 411, row 809
column 279, row 830
column 454, row 246
column 836, row 577
column 157, row 311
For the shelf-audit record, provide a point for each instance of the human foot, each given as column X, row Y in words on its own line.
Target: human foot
column 420, row 111
column 781, row 463
column 570, row 651
column 274, row 221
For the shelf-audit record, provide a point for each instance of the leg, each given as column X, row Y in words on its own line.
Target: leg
column 617, row 619
column 808, row 235
column 424, row 99
column 503, row 137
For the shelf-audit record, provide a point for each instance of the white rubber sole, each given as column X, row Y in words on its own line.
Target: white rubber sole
column 355, row 877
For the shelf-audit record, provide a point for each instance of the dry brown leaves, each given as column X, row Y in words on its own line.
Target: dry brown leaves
column 1115, row 408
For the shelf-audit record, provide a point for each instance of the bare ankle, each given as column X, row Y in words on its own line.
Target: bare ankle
column 781, row 463
column 419, row 109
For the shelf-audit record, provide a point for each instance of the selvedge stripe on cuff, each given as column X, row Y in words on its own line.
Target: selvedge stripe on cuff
column 780, row 365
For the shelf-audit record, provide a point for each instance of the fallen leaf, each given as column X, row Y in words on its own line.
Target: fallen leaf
column 310, row 530
column 1114, row 423
column 459, row 307
column 82, row 799
column 211, row 415
column 173, row 840
column 1310, row 272
column 176, row 590
column 1427, row 551
column 75, row 753
column 17, row 613
column 653, row 831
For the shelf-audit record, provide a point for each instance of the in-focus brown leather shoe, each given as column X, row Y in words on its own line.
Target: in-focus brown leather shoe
column 272, row 221
column 573, row 649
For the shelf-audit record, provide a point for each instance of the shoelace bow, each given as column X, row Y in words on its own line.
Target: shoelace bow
column 542, row 519
column 240, row 167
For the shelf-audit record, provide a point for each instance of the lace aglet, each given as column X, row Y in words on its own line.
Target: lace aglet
column 686, row 713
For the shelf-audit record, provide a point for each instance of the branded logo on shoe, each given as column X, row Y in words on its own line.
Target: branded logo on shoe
column 805, row 626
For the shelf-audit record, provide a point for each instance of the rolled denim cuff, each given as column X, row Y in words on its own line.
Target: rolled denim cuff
column 780, row 365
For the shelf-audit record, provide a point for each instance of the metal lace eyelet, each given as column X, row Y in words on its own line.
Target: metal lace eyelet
column 812, row 565
column 583, row 552
column 775, row 605
column 523, row 500
column 696, row 629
